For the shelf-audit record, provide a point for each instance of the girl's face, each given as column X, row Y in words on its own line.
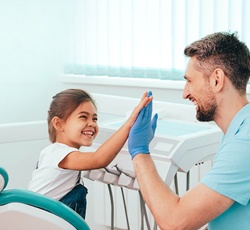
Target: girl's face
column 81, row 128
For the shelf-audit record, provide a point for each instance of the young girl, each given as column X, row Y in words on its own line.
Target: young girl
column 72, row 123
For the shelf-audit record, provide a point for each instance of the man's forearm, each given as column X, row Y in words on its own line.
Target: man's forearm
column 158, row 196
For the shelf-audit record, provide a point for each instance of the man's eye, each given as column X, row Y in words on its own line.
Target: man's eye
column 95, row 119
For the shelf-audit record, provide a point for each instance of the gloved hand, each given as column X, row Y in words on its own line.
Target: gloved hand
column 143, row 130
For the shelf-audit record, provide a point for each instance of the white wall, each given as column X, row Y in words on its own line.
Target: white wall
column 35, row 38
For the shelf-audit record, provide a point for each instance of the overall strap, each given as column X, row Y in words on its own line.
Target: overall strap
column 78, row 178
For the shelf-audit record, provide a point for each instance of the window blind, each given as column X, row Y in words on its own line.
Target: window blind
column 146, row 38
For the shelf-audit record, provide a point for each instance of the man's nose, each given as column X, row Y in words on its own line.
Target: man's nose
column 186, row 91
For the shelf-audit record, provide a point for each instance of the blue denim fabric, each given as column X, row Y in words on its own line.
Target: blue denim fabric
column 76, row 199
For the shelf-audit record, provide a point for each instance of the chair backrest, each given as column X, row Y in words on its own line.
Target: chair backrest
column 39, row 210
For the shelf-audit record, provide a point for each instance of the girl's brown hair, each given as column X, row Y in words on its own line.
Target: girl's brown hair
column 63, row 104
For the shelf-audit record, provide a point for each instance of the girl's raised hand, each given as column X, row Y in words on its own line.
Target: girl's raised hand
column 144, row 102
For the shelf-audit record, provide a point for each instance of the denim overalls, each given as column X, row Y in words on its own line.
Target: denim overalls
column 76, row 198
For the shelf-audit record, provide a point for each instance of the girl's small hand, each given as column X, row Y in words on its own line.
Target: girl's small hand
column 145, row 100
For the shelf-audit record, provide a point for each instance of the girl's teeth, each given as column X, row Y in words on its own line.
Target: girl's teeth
column 88, row 133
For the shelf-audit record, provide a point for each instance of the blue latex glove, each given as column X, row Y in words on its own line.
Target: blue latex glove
column 142, row 132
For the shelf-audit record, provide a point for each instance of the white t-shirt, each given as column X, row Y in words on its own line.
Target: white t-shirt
column 50, row 180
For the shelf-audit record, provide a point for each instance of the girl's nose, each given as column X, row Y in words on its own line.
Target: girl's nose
column 91, row 123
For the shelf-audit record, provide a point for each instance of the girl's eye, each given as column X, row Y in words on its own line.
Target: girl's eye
column 95, row 119
column 84, row 117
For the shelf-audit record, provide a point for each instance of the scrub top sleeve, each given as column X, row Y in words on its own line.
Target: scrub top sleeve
column 230, row 174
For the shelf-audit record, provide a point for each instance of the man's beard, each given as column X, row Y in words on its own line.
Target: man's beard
column 206, row 115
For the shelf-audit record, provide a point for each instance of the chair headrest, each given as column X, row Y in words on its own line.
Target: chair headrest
column 4, row 178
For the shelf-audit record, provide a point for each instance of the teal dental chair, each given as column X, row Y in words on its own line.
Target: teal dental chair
column 25, row 210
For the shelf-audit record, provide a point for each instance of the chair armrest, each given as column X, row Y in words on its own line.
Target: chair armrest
column 43, row 202
column 4, row 178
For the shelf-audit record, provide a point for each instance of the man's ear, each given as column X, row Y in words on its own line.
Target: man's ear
column 57, row 123
column 217, row 80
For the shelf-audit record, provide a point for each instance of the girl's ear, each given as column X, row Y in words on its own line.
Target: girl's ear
column 57, row 123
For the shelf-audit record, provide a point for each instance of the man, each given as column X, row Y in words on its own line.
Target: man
column 216, row 79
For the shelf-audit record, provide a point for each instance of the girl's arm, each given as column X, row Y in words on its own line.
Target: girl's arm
column 109, row 149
